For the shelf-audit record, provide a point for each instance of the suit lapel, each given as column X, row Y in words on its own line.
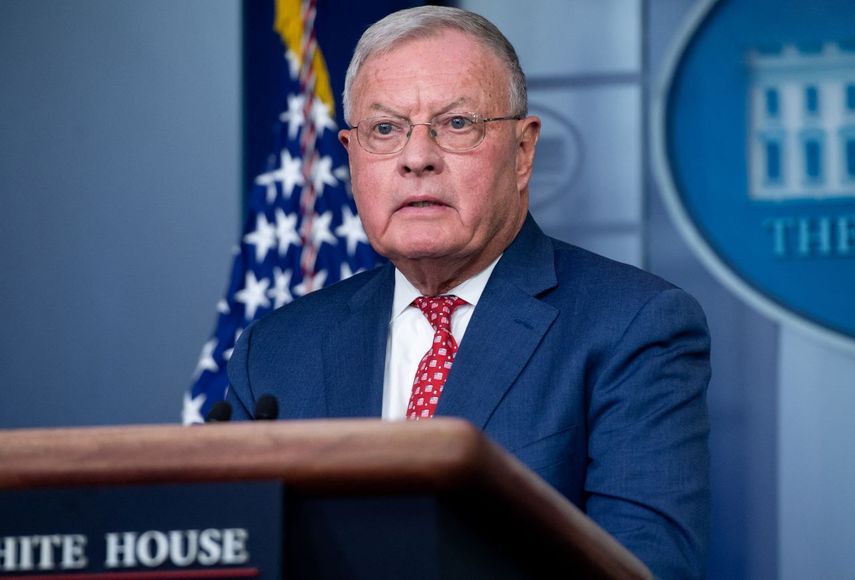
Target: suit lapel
column 354, row 351
column 506, row 327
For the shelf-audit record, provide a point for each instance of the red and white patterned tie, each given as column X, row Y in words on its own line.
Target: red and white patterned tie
column 436, row 363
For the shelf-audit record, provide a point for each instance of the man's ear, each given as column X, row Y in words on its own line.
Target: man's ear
column 528, row 131
column 344, row 137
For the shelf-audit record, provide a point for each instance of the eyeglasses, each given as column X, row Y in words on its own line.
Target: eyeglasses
column 452, row 132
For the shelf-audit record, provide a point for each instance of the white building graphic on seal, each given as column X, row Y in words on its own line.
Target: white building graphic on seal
column 802, row 123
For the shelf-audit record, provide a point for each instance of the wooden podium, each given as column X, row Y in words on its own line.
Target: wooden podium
column 362, row 498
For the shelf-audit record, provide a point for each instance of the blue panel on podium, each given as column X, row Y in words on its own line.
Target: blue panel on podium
column 210, row 530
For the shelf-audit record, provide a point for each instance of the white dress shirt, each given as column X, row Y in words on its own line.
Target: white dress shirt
column 411, row 335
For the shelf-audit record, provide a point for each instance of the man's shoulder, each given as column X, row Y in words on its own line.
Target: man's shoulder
column 578, row 266
column 558, row 271
column 601, row 288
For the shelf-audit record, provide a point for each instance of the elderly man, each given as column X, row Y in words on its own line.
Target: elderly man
column 591, row 372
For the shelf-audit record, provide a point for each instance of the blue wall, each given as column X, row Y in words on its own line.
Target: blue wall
column 119, row 171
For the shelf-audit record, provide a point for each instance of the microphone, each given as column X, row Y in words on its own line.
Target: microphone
column 221, row 412
column 266, row 408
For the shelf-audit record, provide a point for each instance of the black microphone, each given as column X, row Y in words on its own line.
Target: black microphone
column 221, row 412
column 266, row 408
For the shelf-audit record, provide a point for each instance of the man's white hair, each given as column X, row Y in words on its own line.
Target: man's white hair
column 427, row 21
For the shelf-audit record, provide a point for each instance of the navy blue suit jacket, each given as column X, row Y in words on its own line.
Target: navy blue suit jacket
column 591, row 372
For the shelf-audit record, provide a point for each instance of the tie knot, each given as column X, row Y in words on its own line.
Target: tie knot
column 438, row 309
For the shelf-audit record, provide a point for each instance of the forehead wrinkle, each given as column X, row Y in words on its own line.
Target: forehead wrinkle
column 460, row 101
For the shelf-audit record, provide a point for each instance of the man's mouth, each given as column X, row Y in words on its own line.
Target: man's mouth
column 422, row 202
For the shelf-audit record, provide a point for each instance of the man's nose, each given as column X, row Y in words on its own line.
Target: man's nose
column 421, row 154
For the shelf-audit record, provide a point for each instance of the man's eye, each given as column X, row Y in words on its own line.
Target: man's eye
column 384, row 128
column 458, row 123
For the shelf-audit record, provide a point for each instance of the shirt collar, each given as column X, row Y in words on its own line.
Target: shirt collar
column 470, row 290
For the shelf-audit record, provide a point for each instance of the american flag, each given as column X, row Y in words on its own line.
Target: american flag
column 301, row 231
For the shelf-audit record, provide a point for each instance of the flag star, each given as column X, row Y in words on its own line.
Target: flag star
column 206, row 359
column 286, row 231
column 345, row 271
column 227, row 354
column 321, row 117
column 311, row 282
column 192, row 409
column 341, row 173
column 253, row 294
column 294, row 115
column 223, row 307
column 293, row 63
column 280, row 293
column 290, row 173
column 263, row 238
column 351, row 230
column 322, row 175
column 321, row 230
column 268, row 180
